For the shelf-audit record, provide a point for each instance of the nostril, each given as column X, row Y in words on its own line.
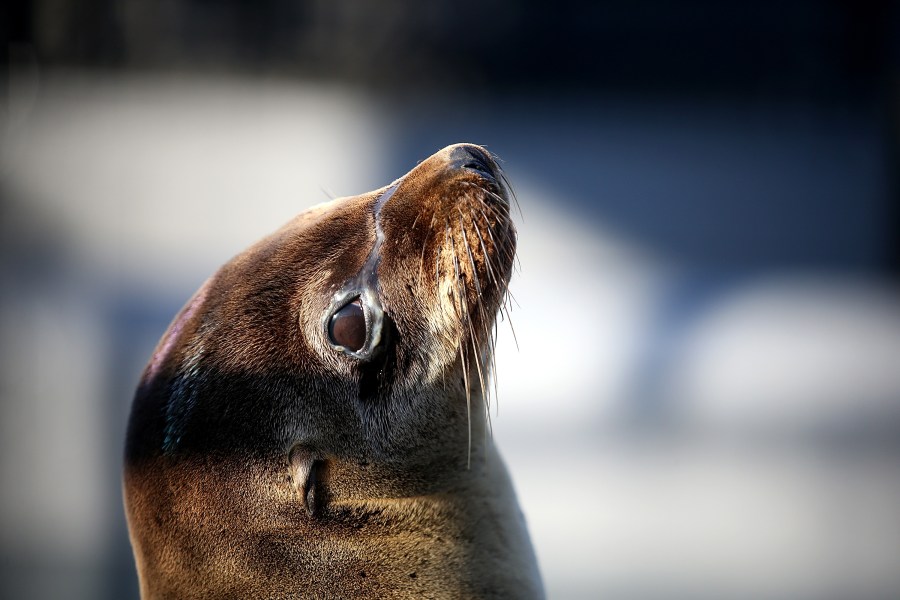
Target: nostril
column 478, row 166
column 473, row 158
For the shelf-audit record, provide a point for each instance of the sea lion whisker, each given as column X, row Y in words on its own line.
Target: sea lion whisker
column 485, row 393
column 501, row 204
column 509, row 239
column 494, row 368
column 461, row 317
column 476, row 344
column 481, row 359
column 328, row 193
column 509, row 250
column 422, row 263
column 493, row 190
column 476, row 355
column 512, row 297
column 512, row 192
column 504, row 291
column 482, row 206
column 437, row 267
column 485, row 321
column 456, row 272
column 498, row 247
column 500, row 209
column 505, row 309
column 478, row 295
column 487, row 258
column 471, row 260
column 465, row 371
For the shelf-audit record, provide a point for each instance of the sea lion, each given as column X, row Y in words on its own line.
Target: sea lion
column 313, row 423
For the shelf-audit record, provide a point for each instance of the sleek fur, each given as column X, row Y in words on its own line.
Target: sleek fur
column 263, row 461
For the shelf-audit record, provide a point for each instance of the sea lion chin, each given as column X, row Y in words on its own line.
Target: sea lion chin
column 313, row 423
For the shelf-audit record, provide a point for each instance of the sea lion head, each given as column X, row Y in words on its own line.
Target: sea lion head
column 338, row 363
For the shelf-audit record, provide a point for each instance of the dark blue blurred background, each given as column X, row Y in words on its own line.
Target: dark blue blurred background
column 709, row 191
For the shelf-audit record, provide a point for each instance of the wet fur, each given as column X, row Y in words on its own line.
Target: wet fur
column 399, row 492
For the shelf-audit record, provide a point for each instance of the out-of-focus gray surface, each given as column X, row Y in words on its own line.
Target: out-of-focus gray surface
column 705, row 398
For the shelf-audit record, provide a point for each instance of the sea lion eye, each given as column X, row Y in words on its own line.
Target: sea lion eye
column 347, row 327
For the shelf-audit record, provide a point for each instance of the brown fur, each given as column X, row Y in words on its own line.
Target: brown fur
column 408, row 498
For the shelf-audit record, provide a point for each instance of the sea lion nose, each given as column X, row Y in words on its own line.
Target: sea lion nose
column 475, row 158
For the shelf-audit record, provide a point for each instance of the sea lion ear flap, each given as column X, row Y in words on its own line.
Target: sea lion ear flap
column 305, row 471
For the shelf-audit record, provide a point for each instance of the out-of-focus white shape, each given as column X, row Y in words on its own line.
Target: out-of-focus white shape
column 173, row 175
column 582, row 296
column 691, row 520
column 53, row 500
column 789, row 355
column 696, row 518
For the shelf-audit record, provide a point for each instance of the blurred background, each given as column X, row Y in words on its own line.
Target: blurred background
column 705, row 398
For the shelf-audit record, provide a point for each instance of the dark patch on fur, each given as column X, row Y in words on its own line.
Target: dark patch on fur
column 377, row 375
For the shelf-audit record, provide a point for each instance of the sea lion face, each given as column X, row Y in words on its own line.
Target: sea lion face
column 344, row 357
